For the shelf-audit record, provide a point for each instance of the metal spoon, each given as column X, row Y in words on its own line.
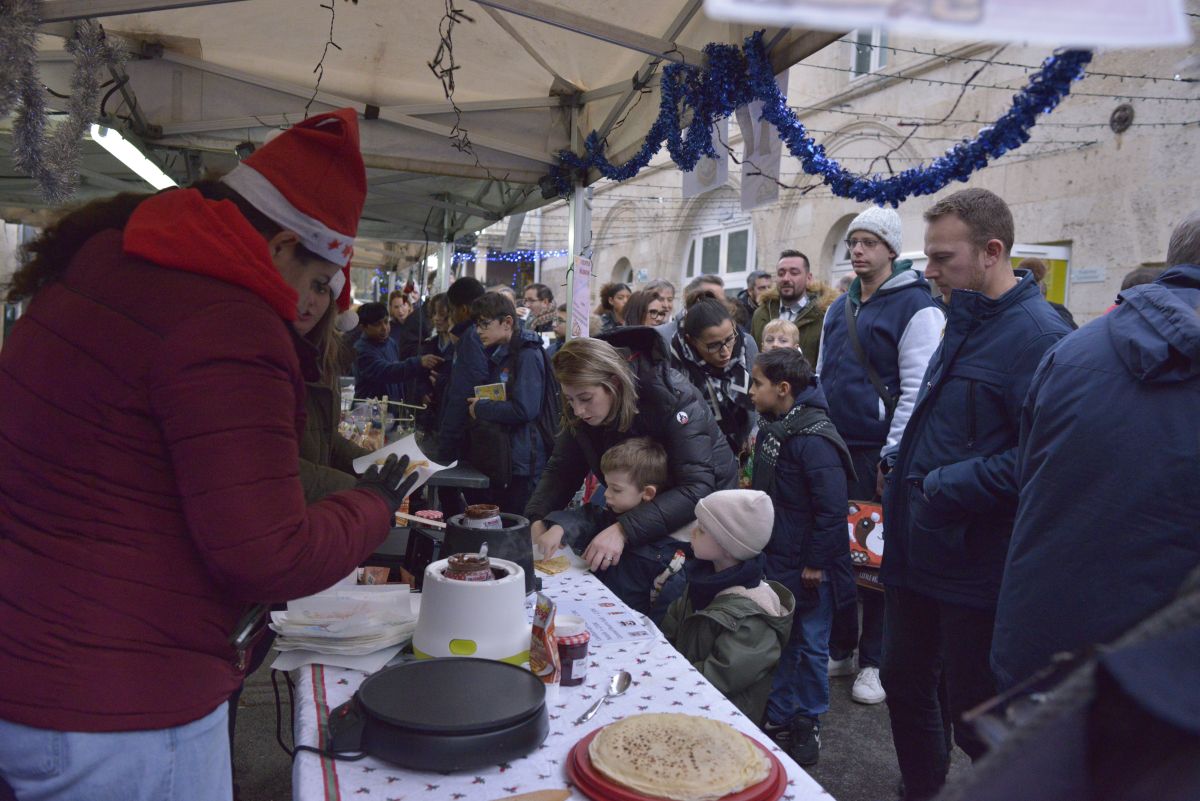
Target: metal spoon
column 617, row 685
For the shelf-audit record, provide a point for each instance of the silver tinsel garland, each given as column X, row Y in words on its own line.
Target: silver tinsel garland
column 51, row 157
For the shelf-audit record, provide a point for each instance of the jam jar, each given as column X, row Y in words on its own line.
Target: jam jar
column 572, row 635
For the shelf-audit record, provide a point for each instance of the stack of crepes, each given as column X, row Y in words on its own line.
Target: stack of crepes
column 682, row 757
column 349, row 620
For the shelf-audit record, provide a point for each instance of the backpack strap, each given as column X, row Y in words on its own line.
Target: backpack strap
column 889, row 402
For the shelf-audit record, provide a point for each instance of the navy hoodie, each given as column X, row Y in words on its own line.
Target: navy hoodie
column 951, row 496
column 1109, row 464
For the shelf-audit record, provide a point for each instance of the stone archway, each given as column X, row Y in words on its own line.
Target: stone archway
column 622, row 272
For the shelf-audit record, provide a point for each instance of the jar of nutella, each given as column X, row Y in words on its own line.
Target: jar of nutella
column 483, row 515
column 572, row 635
column 469, row 567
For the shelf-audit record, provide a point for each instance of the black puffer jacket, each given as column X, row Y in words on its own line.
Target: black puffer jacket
column 670, row 411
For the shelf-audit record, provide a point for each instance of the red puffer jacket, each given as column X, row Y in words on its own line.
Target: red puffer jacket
column 149, row 482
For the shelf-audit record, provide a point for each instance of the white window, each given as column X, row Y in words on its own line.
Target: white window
column 869, row 51
column 728, row 253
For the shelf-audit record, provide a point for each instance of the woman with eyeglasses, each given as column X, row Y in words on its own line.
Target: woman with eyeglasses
column 717, row 356
column 645, row 308
column 613, row 389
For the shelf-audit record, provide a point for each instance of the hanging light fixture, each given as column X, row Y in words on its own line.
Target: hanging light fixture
column 129, row 155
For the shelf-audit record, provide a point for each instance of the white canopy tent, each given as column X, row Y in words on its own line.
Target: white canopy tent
column 531, row 78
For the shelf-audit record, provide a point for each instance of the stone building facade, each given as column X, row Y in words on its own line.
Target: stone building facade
column 1093, row 201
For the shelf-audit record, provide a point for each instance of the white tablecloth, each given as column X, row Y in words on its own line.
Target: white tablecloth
column 663, row 681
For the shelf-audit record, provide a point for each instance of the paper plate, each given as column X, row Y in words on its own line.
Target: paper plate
column 595, row 785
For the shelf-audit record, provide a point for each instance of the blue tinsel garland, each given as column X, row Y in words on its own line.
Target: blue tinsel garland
column 736, row 76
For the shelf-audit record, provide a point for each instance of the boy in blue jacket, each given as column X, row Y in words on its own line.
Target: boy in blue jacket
column 515, row 359
column 801, row 462
column 378, row 368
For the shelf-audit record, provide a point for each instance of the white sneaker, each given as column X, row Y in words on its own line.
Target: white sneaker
column 843, row 667
column 867, row 689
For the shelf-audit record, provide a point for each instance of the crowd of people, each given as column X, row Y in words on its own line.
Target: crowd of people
column 700, row 459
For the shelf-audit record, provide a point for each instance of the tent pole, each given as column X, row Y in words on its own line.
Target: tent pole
column 579, row 242
column 446, row 262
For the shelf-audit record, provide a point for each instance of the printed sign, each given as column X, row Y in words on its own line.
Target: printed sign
column 581, row 298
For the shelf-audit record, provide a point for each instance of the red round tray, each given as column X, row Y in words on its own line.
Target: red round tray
column 594, row 785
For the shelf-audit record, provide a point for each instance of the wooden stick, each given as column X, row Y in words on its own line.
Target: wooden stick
column 423, row 521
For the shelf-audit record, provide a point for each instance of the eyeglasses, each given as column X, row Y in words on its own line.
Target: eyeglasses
column 657, row 314
column 724, row 344
column 869, row 244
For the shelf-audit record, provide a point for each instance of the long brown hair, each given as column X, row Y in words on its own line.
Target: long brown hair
column 331, row 348
column 48, row 256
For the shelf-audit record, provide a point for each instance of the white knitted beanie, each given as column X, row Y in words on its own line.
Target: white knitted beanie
column 740, row 520
column 884, row 223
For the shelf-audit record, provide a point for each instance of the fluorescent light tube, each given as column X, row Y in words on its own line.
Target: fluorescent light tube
column 131, row 157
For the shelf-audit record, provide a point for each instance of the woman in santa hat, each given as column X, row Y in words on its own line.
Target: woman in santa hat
column 149, row 452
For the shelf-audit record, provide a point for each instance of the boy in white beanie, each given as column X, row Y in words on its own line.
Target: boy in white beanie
column 732, row 623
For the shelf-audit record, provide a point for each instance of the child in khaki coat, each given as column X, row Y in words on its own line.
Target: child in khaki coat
column 731, row 623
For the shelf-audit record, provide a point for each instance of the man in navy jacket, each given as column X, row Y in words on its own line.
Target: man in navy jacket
column 378, row 369
column 951, row 491
column 470, row 369
column 1108, row 527
column 898, row 325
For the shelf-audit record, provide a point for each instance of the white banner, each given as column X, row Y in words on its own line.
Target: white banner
column 1061, row 23
column 761, row 153
column 710, row 173
column 581, row 298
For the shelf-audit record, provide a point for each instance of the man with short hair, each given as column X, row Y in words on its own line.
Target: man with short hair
column 1106, row 466
column 757, row 282
column 468, row 370
column 539, row 299
column 379, row 368
column 875, row 344
column 951, row 489
column 792, row 301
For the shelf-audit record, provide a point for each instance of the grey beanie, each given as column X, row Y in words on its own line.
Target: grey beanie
column 884, row 223
column 740, row 520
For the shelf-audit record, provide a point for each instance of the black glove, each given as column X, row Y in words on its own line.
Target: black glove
column 389, row 481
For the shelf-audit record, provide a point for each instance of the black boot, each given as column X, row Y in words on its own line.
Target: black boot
column 805, row 746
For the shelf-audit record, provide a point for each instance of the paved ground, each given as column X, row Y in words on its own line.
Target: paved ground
column 857, row 763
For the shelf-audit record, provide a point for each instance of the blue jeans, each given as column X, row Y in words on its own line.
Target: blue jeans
column 184, row 763
column 801, row 685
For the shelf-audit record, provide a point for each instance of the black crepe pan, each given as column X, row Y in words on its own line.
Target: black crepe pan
column 444, row 715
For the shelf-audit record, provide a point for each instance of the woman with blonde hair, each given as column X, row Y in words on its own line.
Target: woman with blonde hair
column 615, row 388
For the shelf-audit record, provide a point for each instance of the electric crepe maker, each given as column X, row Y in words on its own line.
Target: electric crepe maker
column 444, row 715
column 481, row 619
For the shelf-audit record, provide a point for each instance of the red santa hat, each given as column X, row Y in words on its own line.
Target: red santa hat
column 310, row 179
column 339, row 287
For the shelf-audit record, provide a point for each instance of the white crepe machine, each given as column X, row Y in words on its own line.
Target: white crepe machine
column 482, row 619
